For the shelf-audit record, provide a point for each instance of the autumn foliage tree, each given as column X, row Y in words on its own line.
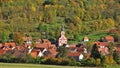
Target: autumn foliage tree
column 79, row 16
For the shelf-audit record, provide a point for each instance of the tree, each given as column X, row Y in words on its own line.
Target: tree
column 118, row 32
column 116, row 57
column 109, row 60
column 95, row 53
column 11, row 36
column 4, row 37
column 62, row 52
column 110, row 22
column 19, row 38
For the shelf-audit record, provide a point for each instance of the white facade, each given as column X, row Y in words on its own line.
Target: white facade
column 62, row 39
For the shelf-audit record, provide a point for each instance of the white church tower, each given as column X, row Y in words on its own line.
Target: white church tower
column 62, row 40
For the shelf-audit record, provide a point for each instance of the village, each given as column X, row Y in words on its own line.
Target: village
column 44, row 47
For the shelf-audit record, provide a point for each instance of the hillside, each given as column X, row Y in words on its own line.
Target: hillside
column 44, row 18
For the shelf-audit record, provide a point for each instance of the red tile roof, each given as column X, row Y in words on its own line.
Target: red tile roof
column 46, row 41
column 7, row 44
column 101, row 43
column 72, row 45
column 21, row 48
column 42, row 46
column 34, row 53
column 109, row 38
column 53, row 51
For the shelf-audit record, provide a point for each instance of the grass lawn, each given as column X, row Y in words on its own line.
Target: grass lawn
column 116, row 66
column 18, row 65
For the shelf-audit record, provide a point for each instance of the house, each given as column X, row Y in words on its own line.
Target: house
column 44, row 49
column 41, row 46
column 20, row 51
column 51, row 53
column 38, row 41
column 109, row 38
column 86, row 39
column 76, row 52
column 37, row 52
column 46, row 42
column 102, row 47
column 112, row 31
column 78, row 56
column 27, row 40
column 9, row 46
column 82, row 48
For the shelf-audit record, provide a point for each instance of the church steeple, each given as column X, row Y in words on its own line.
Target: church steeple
column 63, row 32
column 62, row 40
column 63, row 27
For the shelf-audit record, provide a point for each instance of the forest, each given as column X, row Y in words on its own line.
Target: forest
column 44, row 18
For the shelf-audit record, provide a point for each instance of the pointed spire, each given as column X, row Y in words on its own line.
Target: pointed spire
column 63, row 27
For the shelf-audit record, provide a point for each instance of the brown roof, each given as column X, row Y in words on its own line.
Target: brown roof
column 46, row 41
column 34, row 53
column 52, row 51
column 21, row 48
column 42, row 46
column 72, row 45
column 109, row 38
column 7, row 44
column 101, row 43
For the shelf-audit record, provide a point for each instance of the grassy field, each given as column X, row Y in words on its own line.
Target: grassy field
column 19, row 65
column 15, row 65
column 116, row 66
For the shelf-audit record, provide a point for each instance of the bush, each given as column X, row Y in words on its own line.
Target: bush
column 7, row 58
column 30, row 59
column 65, row 61
column 109, row 60
column 98, row 62
column 88, row 62
column 62, row 61
column 39, row 60
column 50, row 61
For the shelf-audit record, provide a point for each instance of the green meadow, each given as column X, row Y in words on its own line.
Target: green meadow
column 20, row 65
